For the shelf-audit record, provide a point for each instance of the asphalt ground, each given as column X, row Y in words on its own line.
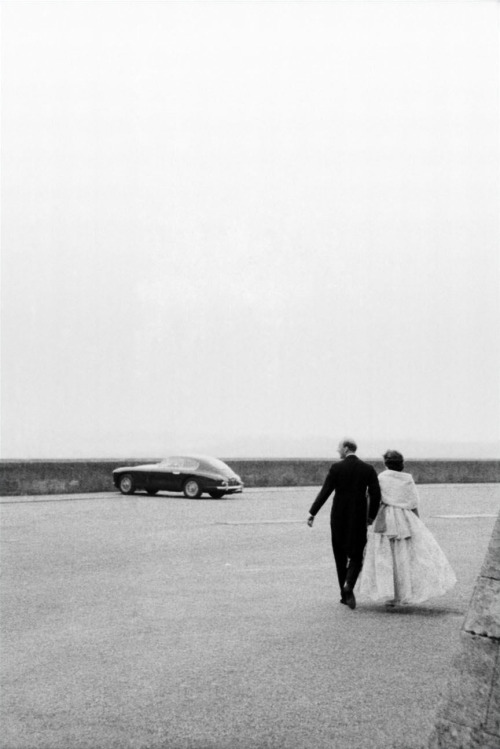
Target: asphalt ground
column 146, row 622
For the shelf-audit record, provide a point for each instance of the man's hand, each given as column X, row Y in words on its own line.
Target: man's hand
column 310, row 521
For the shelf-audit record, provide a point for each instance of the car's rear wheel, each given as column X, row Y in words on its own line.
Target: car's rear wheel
column 216, row 494
column 191, row 489
column 127, row 485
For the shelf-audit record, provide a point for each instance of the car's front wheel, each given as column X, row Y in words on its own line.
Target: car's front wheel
column 127, row 485
column 216, row 494
column 191, row 489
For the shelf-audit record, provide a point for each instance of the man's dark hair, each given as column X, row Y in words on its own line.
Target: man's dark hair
column 350, row 444
column 394, row 460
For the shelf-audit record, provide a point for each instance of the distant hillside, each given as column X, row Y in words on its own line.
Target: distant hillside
column 145, row 444
column 322, row 447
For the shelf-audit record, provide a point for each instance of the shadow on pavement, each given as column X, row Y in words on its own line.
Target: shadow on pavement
column 413, row 610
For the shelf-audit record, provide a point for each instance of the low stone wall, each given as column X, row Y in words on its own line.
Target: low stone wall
column 23, row 477
column 313, row 472
column 470, row 713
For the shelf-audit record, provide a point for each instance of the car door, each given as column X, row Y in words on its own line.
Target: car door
column 177, row 474
column 188, row 469
column 164, row 476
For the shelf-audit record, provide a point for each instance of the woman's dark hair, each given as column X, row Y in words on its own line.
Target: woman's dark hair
column 394, row 460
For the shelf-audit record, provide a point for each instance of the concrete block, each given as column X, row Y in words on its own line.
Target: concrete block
column 483, row 615
column 471, row 677
column 493, row 717
column 469, row 718
column 454, row 736
column 491, row 566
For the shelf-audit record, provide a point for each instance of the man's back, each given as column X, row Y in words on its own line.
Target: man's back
column 350, row 479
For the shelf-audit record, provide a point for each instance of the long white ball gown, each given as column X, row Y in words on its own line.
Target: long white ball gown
column 403, row 560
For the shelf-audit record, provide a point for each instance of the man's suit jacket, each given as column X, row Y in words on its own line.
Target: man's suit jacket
column 353, row 481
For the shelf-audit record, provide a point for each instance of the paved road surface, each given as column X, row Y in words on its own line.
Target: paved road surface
column 146, row 622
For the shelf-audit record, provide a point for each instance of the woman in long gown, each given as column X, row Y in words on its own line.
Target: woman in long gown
column 403, row 562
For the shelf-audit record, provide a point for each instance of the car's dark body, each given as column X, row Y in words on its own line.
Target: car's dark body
column 191, row 474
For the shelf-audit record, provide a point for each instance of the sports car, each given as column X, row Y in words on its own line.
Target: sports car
column 191, row 474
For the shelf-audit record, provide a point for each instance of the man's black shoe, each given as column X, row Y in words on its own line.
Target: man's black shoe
column 348, row 598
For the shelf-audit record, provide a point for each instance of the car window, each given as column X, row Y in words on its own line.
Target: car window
column 180, row 464
column 219, row 465
column 189, row 464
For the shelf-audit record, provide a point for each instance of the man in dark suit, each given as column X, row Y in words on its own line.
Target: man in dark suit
column 353, row 482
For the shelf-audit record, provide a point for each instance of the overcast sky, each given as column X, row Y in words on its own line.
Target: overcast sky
column 248, row 228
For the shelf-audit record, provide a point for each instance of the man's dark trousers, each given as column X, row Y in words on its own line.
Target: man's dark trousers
column 348, row 568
